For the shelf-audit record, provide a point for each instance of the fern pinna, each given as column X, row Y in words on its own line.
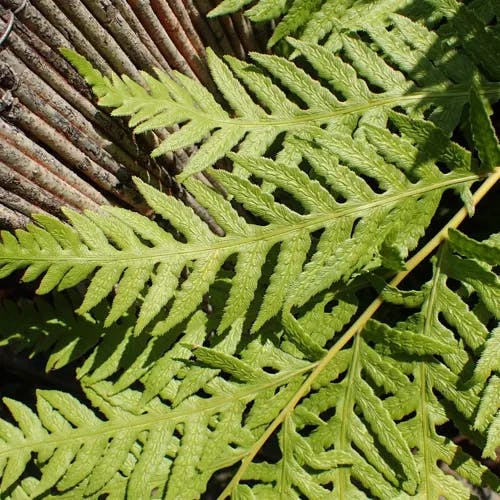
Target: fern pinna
column 194, row 349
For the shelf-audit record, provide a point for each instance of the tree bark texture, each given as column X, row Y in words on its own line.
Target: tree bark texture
column 57, row 148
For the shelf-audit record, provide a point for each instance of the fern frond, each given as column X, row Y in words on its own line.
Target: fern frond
column 447, row 374
column 263, row 10
column 481, row 257
column 40, row 325
column 158, row 447
column 378, row 399
column 339, row 156
column 276, row 96
column 295, row 15
column 404, row 31
column 122, row 252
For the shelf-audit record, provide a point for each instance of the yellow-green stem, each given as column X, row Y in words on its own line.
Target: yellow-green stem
column 357, row 326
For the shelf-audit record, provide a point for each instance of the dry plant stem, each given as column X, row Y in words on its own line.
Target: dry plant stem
column 139, row 54
column 99, row 37
column 38, row 52
column 33, row 20
column 166, row 46
column 46, row 170
column 17, row 204
column 77, row 138
column 23, row 118
column 229, row 28
column 31, row 88
column 11, row 219
column 41, row 59
column 50, row 86
column 112, row 21
column 16, row 6
column 54, row 106
column 54, row 111
column 14, row 182
column 191, row 54
column 179, row 10
column 136, row 26
column 48, row 95
column 14, row 202
column 33, row 169
column 49, row 22
column 202, row 7
column 356, row 327
column 226, row 26
column 244, row 30
column 44, row 68
column 211, row 34
column 15, row 136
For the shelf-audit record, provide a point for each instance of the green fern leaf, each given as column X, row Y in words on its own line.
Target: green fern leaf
column 42, row 325
column 261, row 110
column 295, row 17
column 356, row 419
column 493, row 440
column 338, row 164
column 121, row 254
column 77, row 449
column 444, row 377
column 263, row 10
column 483, row 132
column 227, row 6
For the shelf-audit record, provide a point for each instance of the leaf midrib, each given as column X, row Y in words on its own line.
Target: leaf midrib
column 423, row 408
column 307, row 116
column 230, row 244
column 139, row 423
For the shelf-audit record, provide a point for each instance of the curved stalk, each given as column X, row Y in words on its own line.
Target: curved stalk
column 356, row 327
